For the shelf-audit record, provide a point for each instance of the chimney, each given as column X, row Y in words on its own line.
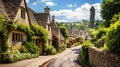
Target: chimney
column 47, row 10
column 53, row 18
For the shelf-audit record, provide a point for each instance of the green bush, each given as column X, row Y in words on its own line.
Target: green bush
column 113, row 38
column 9, row 57
column 69, row 45
column 100, row 42
column 77, row 43
column 79, row 39
column 62, row 48
column 14, row 56
column 99, row 37
column 115, row 18
column 101, row 32
column 23, row 49
column 83, row 56
column 32, row 48
column 50, row 50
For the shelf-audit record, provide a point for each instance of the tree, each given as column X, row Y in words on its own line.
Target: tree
column 63, row 31
column 108, row 9
column 92, row 16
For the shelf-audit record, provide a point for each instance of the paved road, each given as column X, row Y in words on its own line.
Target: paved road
column 69, row 60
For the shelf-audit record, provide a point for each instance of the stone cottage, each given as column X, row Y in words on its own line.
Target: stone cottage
column 42, row 19
column 18, row 12
column 74, row 32
column 58, row 38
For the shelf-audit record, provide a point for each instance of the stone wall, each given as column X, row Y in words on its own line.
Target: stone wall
column 100, row 58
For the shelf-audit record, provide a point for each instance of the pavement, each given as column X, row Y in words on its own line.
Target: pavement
column 39, row 61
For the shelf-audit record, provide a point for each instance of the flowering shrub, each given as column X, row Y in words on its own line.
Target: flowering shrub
column 13, row 56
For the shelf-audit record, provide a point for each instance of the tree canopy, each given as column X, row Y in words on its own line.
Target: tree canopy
column 108, row 9
column 63, row 30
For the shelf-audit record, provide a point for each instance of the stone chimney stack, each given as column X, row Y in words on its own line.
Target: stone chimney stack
column 53, row 18
column 47, row 10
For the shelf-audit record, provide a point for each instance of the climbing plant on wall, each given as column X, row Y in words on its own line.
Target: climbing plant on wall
column 5, row 27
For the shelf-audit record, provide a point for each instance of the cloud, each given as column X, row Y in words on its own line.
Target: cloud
column 78, row 14
column 45, row 0
column 27, row 1
column 70, row 5
column 34, row 3
column 59, row 20
column 50, row 4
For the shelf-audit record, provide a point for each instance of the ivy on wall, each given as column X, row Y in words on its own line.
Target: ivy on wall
column 6, row 26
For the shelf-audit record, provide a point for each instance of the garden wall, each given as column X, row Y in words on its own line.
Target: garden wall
column 100, row 58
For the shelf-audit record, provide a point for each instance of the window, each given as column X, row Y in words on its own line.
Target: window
column 48, row 27
column 22, row 13
column 17, row 37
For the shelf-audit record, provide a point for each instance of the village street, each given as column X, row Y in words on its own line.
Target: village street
column 73, row 52
column 69, row 60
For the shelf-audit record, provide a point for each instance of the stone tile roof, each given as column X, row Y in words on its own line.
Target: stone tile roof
column 31, row 16
column 42, row 18
column 11, row 7
column 2, row 9
column 55, row 29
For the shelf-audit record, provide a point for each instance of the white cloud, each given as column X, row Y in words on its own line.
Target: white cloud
column 45, row 0
column 82, row 12
column 34, row 3
column 27, row 1
column 50, row 4
column 70, row 5
column 58, row 20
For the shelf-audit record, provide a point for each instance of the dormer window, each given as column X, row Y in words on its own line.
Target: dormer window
column 22, row 13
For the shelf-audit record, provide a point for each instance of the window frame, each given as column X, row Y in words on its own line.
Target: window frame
column 17, row 37
column 23, row 13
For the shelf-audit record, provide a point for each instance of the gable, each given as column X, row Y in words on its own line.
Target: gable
column 22, row 14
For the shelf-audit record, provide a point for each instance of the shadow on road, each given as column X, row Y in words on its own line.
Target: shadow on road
column 79, row 63
column 76, row 51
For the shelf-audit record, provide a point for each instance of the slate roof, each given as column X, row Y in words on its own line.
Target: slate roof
column 11, row 7
column 42, row 18
column 31, row 15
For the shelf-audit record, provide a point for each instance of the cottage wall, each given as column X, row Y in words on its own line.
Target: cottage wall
column 100, row 58
column 16, row 44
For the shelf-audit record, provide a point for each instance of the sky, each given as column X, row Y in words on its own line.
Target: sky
column 67, row 10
